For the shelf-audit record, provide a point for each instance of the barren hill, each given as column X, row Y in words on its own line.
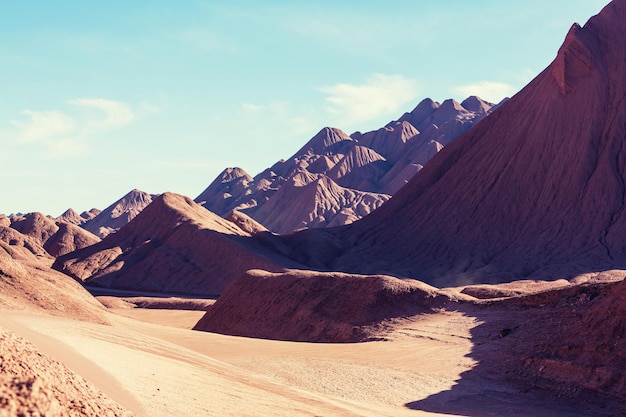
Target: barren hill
column 316, row 306
column 28, row 283
column 32, row 384
column 56, row 237
column 72, row 217
column 173, row 245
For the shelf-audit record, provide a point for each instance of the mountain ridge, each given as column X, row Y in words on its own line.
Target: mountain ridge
column 524, row 193
column 378, row 162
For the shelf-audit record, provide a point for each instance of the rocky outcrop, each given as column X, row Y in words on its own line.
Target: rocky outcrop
column 320, row 203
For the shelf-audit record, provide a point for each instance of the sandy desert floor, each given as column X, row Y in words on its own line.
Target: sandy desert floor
column 167, row 370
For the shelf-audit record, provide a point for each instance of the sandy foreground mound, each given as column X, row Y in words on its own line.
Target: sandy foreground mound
column 317, row 306
column 571, row 339
column 32, row 384
column 563, row 337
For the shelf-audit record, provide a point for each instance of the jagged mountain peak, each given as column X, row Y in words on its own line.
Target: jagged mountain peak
column 70, row 216
column 233, row 173
column 362, row 162
column 119, row 213
column 426, row 105
column 476, row 104
column 324, row 141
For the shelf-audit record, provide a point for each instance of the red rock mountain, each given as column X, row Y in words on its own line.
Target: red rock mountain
column 173, row 245
column 537, row 189
column 335, row 178
column 118, row 214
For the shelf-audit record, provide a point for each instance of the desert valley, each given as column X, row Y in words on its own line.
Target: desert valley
column 466, row 259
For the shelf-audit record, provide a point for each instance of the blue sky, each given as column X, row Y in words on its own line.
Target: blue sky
column 103, row 97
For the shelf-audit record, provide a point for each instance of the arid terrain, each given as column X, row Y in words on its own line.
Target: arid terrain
column 436, row 364
column 491, row 284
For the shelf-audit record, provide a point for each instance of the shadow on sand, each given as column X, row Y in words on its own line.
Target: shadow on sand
column 511, row 347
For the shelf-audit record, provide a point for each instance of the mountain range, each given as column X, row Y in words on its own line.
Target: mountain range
column 535, row 190
column 532, row 193
column 336, row 178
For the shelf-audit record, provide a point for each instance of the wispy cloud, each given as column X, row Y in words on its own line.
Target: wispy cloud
column 380, row 95
column 116, row 114
column 42, row 125
column 487, row 90
column 64, row 148
column 66, row 133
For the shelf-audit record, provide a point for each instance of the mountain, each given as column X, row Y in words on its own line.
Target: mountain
column 537, row 189
column 320, row 203
column 56, row 237
column 367, row 167
column 118, row 214
column 72, row 217
column 175, row 246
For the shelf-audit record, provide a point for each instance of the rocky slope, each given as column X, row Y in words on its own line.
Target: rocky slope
column 173, row 245
column 28, row 283
column 569, row 340
column 353, row 174
column 534, row 190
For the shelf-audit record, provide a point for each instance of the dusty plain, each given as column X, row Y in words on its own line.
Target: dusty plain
column 427, row 365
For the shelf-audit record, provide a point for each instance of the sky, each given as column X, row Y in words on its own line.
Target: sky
column 99, row 98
